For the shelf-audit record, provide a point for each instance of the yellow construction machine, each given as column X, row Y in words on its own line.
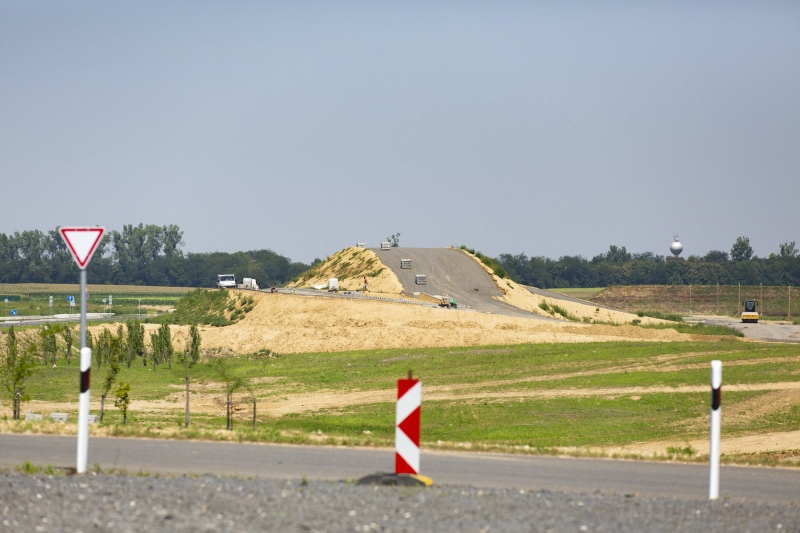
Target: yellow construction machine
column 750, row 314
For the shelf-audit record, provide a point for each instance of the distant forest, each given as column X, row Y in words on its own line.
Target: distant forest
column 152, row 255
column 618, row 267
column 137, row 255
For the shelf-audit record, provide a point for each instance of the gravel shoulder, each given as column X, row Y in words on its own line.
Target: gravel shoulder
column 222, row 504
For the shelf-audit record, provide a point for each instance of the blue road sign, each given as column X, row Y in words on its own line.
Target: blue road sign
column 70, row 299
column 13, row 312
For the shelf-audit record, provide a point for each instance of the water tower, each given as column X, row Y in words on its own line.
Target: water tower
column 676, row 247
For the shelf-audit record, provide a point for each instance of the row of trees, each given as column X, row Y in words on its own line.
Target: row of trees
column 22, row 357
column 619, row 267
column 137, row 255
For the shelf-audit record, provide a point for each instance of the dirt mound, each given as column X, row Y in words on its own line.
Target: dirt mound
column 351, row 266
column 520, row 297
column 288, row 323
column 450, row 272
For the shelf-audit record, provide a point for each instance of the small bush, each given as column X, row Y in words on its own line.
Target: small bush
column 686, row 450
column 564, row 313
column 672, row 317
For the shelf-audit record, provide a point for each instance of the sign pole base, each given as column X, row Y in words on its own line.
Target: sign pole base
column 390, row 479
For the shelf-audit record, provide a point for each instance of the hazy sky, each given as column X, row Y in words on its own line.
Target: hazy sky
column 550, row 128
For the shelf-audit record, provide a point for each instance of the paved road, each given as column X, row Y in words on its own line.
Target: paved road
column 762, row 331
column 57, row 319
column 474, row 469
column 452, row 272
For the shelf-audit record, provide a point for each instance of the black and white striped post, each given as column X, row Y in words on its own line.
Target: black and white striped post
column 83, row 410
column 716, row 412
column 82, row 242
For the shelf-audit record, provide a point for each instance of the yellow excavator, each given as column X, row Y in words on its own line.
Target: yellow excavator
column 750, row 314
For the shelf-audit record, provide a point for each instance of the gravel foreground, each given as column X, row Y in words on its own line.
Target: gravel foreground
column 220, row 504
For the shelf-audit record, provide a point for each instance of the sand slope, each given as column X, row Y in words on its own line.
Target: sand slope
column 287, row 323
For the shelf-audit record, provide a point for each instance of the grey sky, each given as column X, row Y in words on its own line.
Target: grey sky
column 550, row 128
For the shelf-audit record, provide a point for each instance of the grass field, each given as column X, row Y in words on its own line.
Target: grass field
column 582, row 293
column 534, row 398
column 32, row 299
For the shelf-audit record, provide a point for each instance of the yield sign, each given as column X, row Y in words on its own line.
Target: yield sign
column 82, row 242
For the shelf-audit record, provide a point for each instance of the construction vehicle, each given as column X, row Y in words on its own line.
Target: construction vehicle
column 226, row 281
column 446, row 301
column 750, row 314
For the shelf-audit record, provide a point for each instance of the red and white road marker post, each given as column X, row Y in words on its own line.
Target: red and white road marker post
column 82, row 242
column 407, row 420
column 406, row 439
column 716, row 415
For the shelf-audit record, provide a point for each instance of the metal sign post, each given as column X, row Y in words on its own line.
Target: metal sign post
column 82, row 242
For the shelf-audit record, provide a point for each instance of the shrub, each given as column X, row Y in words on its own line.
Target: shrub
column 488, row 261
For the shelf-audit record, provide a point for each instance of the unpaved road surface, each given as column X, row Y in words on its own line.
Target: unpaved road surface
column 223, row 504
column 762, row 331
column 452, row 272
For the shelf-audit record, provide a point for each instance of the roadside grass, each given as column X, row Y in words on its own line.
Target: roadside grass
column 212, row 307
column 504, row 396
column 697, row 329
column 490, row 262
column 582, row 293
column 674, row 317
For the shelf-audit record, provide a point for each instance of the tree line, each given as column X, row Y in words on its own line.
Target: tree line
column 137, row 255
column 23, row 356
column 619, row 267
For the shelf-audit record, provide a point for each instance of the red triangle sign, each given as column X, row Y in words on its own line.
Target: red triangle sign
column 82, row 242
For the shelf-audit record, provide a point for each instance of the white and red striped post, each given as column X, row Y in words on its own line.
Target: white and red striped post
column 716, row 414
column 406, row 437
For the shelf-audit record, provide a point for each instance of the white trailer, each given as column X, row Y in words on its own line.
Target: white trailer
column 249, row 283
column 333, row 284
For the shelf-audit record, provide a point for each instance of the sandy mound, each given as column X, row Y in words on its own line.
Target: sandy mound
column 287, row 323
column 518, row 296
column 351, row 266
